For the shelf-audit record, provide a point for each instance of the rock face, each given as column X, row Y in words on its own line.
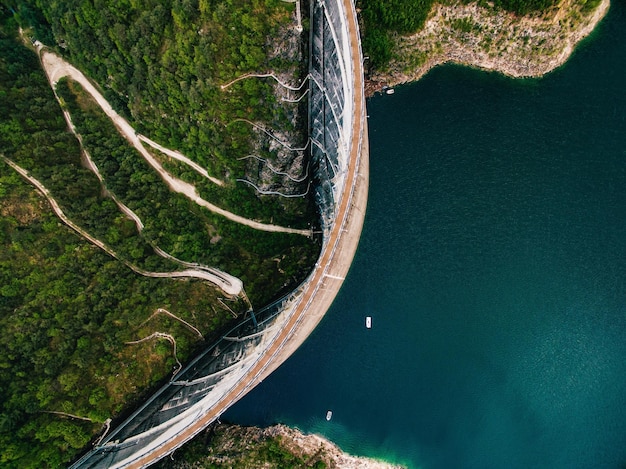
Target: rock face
column 491, row 39
column 272, row 447
column 276, row 167
column 311, row 445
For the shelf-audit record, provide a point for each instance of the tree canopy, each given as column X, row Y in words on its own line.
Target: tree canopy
column 67, row 309
column 384, row 17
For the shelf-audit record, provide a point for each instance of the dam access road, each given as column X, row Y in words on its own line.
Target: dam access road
column 331, row 268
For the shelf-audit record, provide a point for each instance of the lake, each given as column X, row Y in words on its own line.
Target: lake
column 493, row 265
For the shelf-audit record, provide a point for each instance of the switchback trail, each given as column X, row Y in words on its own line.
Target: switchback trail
column 57, row 68
column 229, row 284
column 180, row 157
column 230, row 279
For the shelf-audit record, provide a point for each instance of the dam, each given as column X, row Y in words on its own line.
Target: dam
column 213, row 381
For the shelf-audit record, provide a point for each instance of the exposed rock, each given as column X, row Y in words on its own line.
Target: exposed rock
column 311, row 445
column 233, row 446
column 491, row 39
column 289, row 126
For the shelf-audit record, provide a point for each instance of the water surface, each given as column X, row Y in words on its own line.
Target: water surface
column 493, row 263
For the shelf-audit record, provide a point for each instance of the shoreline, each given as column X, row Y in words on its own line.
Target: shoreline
column 487, row 39
column 311, row 447
column 462, row 55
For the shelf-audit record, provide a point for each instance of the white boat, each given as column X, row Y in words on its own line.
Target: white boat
column 368, row 322
column 329, row 415
column 390, row 91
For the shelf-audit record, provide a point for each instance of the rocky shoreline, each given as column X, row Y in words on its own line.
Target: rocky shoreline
column 490, row 39
column 228, row 446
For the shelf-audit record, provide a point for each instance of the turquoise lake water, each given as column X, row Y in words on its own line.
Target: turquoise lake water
column 493, row 264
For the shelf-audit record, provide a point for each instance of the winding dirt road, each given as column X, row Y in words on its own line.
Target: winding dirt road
column 182, row 158
column 229, row 284
column 224, row 278
column 57, row 68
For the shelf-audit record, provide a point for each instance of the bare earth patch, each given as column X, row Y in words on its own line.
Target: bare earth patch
column 491, row 39
column 24, row 212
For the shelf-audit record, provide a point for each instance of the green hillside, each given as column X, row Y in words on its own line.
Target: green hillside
column 68, row 310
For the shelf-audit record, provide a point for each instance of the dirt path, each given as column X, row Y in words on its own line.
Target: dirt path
column 265, row 75
column 167, row 313
column 230, row 285
column 91, row 165
column 162, row 335
column 180, row 157
column 57, row 68
column 225, row 277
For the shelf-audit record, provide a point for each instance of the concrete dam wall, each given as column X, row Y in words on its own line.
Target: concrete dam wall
column 330, row 103
column 225, row 372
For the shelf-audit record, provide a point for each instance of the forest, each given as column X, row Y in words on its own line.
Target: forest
column 161, row 64
column 66, row 308
column 69, row 311
column 175, row 223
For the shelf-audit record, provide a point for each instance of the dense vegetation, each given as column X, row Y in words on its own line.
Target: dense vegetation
column 66, row 312
column 161, row 63
column 67, row 309
column 381, row 18
column 176, row 224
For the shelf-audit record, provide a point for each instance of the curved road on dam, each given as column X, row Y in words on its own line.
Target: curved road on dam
column 326, row 279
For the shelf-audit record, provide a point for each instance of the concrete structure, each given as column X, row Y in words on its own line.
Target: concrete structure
column 330, row 104
column 223, row 374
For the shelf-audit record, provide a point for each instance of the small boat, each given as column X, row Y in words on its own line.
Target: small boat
column 390, row 91
column 329, row 415
column 368, row 322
